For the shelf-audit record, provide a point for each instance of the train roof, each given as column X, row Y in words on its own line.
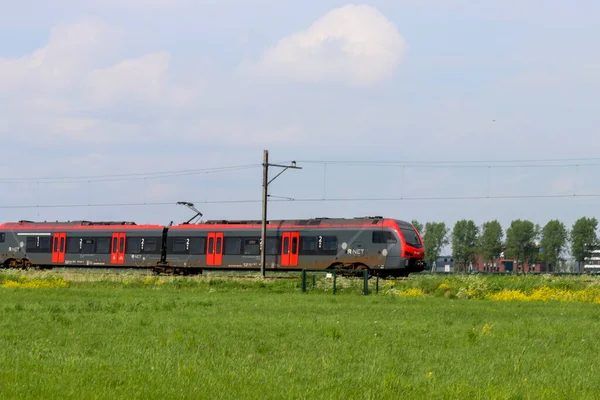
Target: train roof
column 92, row 225
column 222, row 224
column 312, row 222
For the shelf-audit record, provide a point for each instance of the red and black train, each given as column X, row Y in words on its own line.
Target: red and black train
column 384, row 246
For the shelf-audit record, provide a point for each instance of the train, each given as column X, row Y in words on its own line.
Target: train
column 385, row 247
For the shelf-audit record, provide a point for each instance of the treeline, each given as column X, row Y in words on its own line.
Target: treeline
column 523, row 241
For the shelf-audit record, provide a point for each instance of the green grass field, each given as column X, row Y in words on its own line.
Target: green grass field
column 67, row 335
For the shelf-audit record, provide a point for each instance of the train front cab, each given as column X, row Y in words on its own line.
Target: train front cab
column 414, row 249
column 408, row 256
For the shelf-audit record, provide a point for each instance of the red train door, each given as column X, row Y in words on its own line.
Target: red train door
column 214, row 248
column 59, row 244
column 117, row 252
column 289, row 249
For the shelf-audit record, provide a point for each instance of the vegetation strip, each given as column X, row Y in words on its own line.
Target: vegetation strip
column 482, row 287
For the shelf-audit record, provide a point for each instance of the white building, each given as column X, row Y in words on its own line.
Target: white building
column 592, row 264
column 443, row 264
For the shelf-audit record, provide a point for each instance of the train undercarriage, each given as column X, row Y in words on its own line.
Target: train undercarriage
column 342, row 269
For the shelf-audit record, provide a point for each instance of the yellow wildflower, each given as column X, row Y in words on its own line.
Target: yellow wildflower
column 36, row 284
column 412, row 292
column 545, row 293
column 486, row 328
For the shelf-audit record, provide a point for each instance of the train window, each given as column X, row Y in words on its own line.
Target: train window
column 134, row 245
column 2, row 237
column 72, row 245
column 55, row 245
column 308, row 245
column 218, row 250
column 62, row 244
column 410, row 236
column 211, row 245
column 103, row 245
column 273, row 246
column 149, row 245
column 295, row 245
column 286, row 245
column 121, row 245
column 383, row 237
column 31, row 244
column 88, row 246
column 197, row 245
column 330, row 243
column 180, row 245
column 233, row 245
column 251, row 247
column 45, row 244
column 114, row 246
column 378, row 237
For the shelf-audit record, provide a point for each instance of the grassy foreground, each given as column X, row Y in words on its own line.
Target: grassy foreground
column 86, row 336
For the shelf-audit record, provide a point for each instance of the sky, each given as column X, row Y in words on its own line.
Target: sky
column 378, row 102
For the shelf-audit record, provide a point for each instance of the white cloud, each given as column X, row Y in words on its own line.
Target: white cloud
column 71, row 50
column 354, row 45
column 69, row 66
column 140, row 78
column 74, row 84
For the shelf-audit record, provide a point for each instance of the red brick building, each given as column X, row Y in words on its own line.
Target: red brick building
column 502, row 264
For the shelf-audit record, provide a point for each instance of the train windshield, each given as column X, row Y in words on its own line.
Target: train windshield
column 410, row 236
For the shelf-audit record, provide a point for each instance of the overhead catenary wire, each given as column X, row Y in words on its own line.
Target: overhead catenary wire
column 434, row 164
column 518, row 163
column 131, row 176
column 300, row 200
column 429, row 162
column 403, row 165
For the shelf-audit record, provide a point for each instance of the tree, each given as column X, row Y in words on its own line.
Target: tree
column 520, row 241
column 464, row 242
column 435, row 238
column 418, row 226
column 553, row 242
column 583, row 235
column 490, row 241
